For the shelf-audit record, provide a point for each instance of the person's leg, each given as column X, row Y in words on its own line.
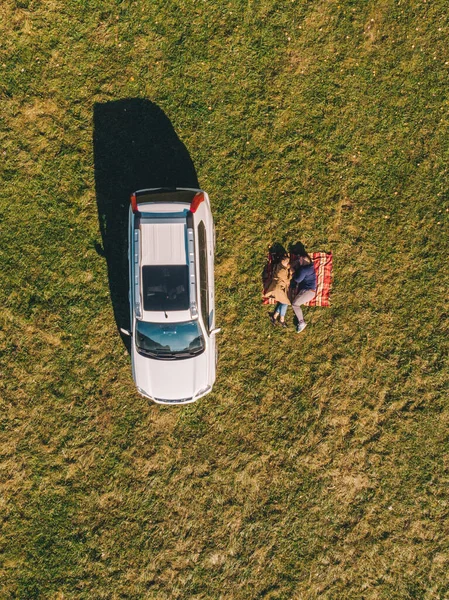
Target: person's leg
column 282, row 312
column 301, row 298
column 275, row 315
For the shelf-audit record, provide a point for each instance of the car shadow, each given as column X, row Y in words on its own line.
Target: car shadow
column 135, row 147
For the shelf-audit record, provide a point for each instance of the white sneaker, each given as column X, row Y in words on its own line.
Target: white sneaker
column 301, row 326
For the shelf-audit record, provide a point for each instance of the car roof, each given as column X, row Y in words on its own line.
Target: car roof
column 164, row 242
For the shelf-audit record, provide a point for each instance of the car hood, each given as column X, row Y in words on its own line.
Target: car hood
column 170, row 380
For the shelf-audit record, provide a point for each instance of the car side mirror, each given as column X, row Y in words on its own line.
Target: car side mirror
column 126, row 332
column 215, row 331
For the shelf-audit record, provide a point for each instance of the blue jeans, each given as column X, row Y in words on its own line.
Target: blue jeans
column 281, row 309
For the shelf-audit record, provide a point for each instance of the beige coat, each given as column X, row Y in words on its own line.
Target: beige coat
column 277, row 291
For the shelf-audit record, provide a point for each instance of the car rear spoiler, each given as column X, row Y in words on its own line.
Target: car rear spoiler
column 166, row 194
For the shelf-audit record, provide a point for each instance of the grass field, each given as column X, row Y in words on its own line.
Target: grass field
column 319, row 466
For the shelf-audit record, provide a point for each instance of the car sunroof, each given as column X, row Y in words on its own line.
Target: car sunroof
column 165, row 287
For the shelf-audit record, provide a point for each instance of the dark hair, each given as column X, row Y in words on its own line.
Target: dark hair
column 299, row 250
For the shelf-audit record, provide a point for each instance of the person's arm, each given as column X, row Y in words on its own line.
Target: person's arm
column 300, row 276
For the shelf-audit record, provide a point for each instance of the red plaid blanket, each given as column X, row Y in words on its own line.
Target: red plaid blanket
column 322, row 261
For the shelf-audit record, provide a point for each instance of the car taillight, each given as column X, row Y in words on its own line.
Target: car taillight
column 134, row 203
column 197, row 199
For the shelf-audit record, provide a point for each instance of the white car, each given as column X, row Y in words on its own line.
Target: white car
column 172, row 305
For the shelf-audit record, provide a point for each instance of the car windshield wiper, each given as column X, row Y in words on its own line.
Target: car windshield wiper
column 147, row 352
column 157, row 353
column 185, row 353
column 195, row 351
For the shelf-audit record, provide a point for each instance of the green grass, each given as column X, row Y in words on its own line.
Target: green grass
column 318, row 467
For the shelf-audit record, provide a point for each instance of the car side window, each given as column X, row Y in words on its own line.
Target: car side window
column 204, row 296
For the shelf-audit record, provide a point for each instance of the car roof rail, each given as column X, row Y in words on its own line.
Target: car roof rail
column 191, row 263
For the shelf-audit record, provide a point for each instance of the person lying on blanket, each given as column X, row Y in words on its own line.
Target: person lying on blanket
column 303, row 283
column 277, row 291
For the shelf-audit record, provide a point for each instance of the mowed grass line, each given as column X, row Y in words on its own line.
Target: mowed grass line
column 318, row 466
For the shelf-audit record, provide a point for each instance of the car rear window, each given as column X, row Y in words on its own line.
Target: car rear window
column 165, row 287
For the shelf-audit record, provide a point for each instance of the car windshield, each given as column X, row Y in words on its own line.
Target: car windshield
column 169, row 340
column 165, row 287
